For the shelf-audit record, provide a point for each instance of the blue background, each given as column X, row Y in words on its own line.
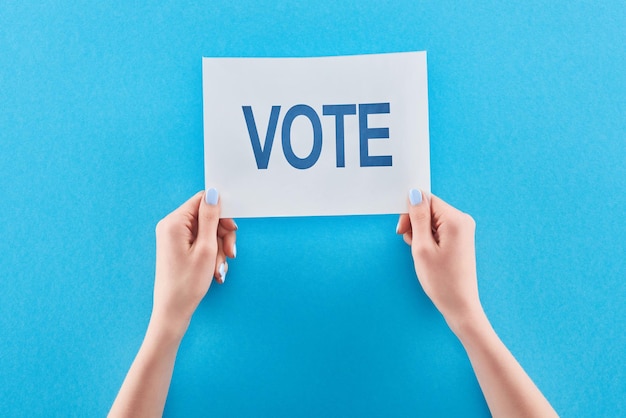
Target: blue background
column 101, row 136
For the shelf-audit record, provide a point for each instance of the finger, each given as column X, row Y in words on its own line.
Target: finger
column 208, row 217
column 408, row 237
column 419, row 214
column 188, row 211
column 221, row 265
column 228, row 224
column 404, row 224
column 222, row 231
column 229, row 244
column 220, row 272
column 448, row 221
column 440, row 207
column 225, row 227
column 182, row 222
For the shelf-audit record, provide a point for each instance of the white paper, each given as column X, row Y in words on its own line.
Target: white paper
column 320, row 183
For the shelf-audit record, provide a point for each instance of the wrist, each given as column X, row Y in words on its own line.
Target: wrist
column 468, row 322
column 167, row 328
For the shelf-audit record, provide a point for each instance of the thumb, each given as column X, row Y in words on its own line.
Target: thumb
column 419, row 213
column 209, row 216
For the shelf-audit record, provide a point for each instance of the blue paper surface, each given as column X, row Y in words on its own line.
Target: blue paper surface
column 101, row 136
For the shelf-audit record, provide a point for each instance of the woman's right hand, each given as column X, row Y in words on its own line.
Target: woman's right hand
column 442, row 243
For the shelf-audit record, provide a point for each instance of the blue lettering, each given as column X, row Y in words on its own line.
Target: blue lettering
column 366, row 133
column 293, row 159
column 339, row 111
column 261, row 154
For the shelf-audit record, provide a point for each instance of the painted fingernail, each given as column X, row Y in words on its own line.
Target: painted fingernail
column 212, row 196
column 234, row 250
column 222, row 273
column 398, row 227
column 415, row 197
column 235, row 223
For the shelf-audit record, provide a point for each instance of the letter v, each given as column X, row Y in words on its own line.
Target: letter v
column 261, row 154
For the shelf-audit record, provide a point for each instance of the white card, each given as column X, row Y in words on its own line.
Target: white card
column 316, row 136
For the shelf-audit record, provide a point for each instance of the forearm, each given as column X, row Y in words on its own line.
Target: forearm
column 145, row 387
column 507, row 388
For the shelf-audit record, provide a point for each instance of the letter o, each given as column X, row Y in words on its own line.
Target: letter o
column 293, row 159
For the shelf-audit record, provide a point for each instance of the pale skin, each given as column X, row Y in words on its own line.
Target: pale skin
column 193, row 244
column 442, row 244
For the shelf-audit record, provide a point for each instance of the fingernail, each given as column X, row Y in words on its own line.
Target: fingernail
column 415, row 197
column 235, row 223
column 222, row 273
column 212, row 196
column 398, row 227
column 234, row 250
